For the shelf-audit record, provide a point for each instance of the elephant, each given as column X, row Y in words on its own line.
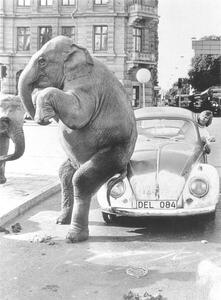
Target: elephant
column 11, row 127
column 97, row 127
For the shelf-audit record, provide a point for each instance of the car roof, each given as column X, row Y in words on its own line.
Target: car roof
column 164, row 111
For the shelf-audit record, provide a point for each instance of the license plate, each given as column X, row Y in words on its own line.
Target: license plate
column 157, row 204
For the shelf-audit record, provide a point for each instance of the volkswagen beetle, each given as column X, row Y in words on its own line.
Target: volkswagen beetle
column 168, row 174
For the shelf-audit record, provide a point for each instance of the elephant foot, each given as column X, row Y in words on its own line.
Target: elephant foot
column 77, row 235
column 64, row 218
column 2, row 180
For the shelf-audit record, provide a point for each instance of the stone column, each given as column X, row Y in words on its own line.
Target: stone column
column 34, row 6
column 1, row 25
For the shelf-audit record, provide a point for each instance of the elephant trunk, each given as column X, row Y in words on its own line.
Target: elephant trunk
column 17, row 136
column 25, row 89
column 4, row 145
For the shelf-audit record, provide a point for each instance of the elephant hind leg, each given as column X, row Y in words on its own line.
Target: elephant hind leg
column 87, row 180
column 66, row 173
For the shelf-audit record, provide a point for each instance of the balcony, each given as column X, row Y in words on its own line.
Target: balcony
column 139, row 11
column 136, row 58
column 142, row 57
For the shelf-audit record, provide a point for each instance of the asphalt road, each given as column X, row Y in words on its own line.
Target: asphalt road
column 165, row 254
column 178, row 258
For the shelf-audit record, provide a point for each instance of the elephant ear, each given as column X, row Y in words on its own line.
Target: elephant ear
column 78, row 63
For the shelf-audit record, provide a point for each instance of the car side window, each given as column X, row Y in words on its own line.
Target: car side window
column 189, row 132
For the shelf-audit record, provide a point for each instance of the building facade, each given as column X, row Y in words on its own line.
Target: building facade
column 207, row 45
column 123, row 34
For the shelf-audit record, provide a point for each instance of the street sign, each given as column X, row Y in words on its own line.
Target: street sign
column 157, row 88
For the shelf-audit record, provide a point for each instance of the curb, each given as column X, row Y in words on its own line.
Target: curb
column 31, row 201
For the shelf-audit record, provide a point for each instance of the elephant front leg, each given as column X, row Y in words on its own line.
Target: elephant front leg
column 66, row 173
column 73, row 110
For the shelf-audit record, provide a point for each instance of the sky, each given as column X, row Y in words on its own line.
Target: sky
column 179, row 22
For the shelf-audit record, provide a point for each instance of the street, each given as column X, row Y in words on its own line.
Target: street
column 154, row 256
column 89, row 65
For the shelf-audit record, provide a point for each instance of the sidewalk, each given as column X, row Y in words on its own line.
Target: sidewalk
column 34, row 176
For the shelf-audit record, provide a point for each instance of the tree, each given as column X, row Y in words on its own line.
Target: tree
column 205, row 72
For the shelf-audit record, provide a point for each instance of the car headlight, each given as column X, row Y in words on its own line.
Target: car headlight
column 118, row 189
column 198, row 187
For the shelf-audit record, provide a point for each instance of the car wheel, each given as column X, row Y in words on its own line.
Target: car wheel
column 210, row 216
column 108, row 218
column 207, row 218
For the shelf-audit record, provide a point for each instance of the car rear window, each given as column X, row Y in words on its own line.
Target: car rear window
column 167, row 129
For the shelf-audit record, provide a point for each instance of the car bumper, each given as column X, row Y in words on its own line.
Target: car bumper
column 132, row 212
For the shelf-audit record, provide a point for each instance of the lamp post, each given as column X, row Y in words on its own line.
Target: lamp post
column 156, row 90
column 180, row 74
column 143, row 76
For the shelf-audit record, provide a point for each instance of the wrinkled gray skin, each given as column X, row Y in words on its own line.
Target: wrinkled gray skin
column 11, row 127
column 97, row 124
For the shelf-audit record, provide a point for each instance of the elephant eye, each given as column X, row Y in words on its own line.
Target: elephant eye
column 5, row 120
column 42, row 62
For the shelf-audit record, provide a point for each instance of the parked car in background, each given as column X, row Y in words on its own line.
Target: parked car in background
column 168, row 174
column 195, row 103
column 211, row 105
column 183, row 101
column 212, row 98
column 216, row 94
column 199, row 104
column 171, row 102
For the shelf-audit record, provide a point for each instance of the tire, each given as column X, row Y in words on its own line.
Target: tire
column 210, row 216
column 108, row 218
column 207, row 218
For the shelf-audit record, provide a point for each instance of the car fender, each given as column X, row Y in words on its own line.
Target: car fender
column 208, row 173
column 127, row 200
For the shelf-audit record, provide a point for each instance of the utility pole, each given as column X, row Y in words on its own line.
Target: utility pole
column 180, row 90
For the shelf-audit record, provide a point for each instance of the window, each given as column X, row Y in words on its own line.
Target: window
column 45, row 34
column 100, row 38
column 168, row 128
column 23, row 2
column 68, row 2
column 23, row 38
column 135, row 97
column 46, row 2
column 100, row 2
column 68, row 31
column 137, row 39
